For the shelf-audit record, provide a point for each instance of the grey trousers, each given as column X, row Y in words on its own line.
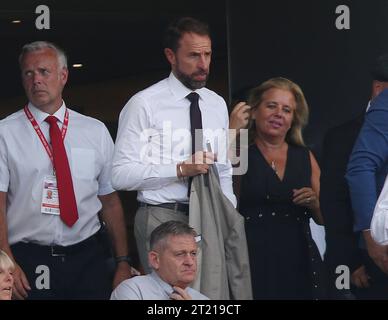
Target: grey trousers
column 146, row 220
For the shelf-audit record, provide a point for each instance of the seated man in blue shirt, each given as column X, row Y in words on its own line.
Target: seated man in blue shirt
column 173, row 258
column 367, row 169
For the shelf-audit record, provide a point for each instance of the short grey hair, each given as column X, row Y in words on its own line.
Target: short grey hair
column 6, row 262
column 40, row 45
column 169, row 228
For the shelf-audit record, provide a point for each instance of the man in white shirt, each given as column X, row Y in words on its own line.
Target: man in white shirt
column 154, row 146
column 64, row 247
column 173, row 257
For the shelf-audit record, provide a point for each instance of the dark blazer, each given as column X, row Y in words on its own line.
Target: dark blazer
column 342, row 243
column 368, row 166
column 342, row 247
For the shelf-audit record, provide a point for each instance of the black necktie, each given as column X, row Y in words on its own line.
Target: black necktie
column 195, row 123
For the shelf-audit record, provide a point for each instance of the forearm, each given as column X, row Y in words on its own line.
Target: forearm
column 317, row 215
column 128, row 175
column 4, row 245
column 113, row 216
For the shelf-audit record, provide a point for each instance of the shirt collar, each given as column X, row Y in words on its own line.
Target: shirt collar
column 179, row 90
column 367, row 108
column 164, row 285
column 40, row 116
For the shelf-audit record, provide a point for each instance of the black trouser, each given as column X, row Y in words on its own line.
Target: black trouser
column 79, row 271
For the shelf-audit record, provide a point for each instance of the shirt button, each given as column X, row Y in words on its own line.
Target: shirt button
column 248, row 218
column 260, row 215
column 273, row 213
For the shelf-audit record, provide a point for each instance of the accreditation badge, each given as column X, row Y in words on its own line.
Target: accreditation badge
column 50, row 199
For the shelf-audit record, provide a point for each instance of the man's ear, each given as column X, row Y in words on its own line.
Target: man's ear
column 153, row 260
column 378, row 87
column 170, row 55
column 63, row 75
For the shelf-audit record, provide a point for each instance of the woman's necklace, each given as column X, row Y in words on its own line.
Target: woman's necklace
column 273, row 166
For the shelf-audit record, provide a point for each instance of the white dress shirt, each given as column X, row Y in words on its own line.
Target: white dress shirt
column 154, row 135
column 149, row 287
column 24, row 163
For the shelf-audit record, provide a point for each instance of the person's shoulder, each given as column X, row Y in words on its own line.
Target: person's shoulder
column 212, row 95
column 126, row 290
column 380, row 102
column 300, row 152
column 129, row 289
column 154, row 90
column 146, row 97
column 137, row 281
column 84, row 120
column 196, row 295
column 12, row 119
column 298, row 148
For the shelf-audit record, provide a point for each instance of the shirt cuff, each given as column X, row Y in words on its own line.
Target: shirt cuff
column 3, row 187
column 168, row 171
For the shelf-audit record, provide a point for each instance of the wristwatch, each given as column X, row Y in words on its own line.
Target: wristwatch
column 126, row 259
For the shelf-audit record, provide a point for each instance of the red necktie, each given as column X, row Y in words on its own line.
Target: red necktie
column 67, row 203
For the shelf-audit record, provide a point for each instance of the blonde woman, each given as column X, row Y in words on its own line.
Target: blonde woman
column 279, row 193
column 6, row 278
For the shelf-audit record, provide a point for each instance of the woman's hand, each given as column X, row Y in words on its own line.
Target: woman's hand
column 239, row 118
column 306, row 197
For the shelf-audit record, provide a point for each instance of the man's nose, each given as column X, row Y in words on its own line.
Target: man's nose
column 36, row 78
column 203, row 63
column 189, row 259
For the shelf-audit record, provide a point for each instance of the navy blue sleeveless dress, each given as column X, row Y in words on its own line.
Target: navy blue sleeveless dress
column 285, row 262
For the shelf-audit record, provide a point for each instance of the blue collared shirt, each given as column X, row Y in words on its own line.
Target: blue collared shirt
column 149, row 287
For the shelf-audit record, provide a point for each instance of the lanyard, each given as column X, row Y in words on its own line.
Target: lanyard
column 40, row 133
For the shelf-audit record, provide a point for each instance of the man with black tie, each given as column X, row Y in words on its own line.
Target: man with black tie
column 160, row 131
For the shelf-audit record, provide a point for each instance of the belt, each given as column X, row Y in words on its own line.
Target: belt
column 61, row 251
column 176, row 206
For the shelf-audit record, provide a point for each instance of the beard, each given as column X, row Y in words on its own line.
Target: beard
column 189, row 81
